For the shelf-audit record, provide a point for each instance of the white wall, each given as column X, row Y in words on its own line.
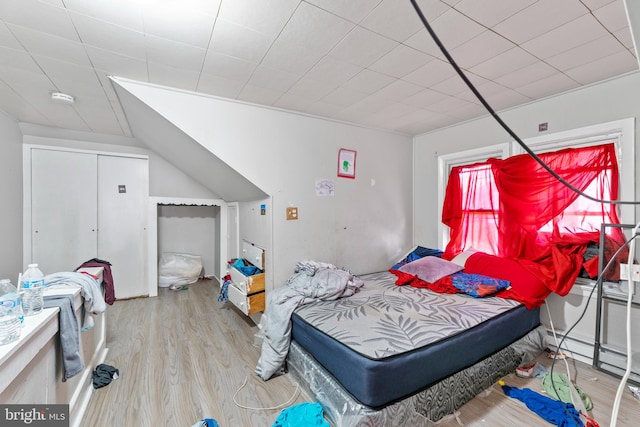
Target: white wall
column 608, row 101
column 191, row 230
column 10, row 199
column 366, row 226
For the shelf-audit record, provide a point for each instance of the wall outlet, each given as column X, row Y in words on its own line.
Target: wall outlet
column 292, row 213
column 631, row 274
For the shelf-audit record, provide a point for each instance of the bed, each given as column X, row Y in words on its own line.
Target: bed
column 402, row 355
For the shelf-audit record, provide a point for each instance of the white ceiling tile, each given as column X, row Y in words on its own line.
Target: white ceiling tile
column 64, row 116
column 98, row 115
column 566, row 37
column 292, row 102
column 54, row 2
column 506, row 99
column 613, row 16
column 7, row 39
column 174, row 54
column 368, row 81
column 122, row 118
column 18, row 59
column 362, row 47
column 267, row 17
column 352, row 10
column 455, row 85
column 454, row 29
column 364, row 107
column 399, row 90
column 107, row 86
column 166, row 75
column 311, row 89
column 396, row 110
column 109, row 36
column 180, row 24
column 26, row 78
column 539, row 18
column 484, row 46
column 451, row 105
column 505, row 63
column 228, row 67
column 210, row 7
column 597, row 4
column 219, row 86
column 451, row 2
column 292, row 57
column 423, row 42
column 486, row 89
column 127, row 14
column 235, row 40
column 273, row 79
column 624, row 36
column 114, row 63
column 344, row 97
column 401, row 61
column 523, row 76
column 425, row 98
column 40, row 43
column 259, row 95
column 588, row 52
column 556, row 83
column 430, row 74
column 12, row 103
column 490, row 12
column 321, row 109
column 333, row 71
column 47, row 18
column 70, row 78
column 619, row 63
column 395, row 20
column 315, row 28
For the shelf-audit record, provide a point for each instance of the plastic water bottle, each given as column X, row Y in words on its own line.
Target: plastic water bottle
column 10, row 311
column 33, row 287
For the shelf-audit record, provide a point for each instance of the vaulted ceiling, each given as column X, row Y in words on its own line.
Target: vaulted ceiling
column 369, row 62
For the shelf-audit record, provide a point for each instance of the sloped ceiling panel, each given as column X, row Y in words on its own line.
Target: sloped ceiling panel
column 161, row 136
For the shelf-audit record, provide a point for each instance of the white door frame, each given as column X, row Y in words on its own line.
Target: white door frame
column 152, row 233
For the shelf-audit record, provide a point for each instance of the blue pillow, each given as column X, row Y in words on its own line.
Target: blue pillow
column 477, row 285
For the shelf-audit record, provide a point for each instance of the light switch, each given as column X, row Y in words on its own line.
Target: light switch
column 292, row 213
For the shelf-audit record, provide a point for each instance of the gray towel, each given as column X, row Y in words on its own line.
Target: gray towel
column 68, row 332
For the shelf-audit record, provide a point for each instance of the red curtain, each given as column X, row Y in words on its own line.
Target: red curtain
column 470, row 209
column 541, row 223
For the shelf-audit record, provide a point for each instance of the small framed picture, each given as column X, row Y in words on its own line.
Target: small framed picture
column 347, row 163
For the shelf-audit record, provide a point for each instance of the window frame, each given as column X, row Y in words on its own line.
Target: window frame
column 620, row 132
column 461, row 158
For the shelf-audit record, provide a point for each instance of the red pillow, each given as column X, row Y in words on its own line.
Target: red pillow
column 525, row 286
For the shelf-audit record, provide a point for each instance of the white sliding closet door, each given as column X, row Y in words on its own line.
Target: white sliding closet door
column 63, row 209
column 123, row 189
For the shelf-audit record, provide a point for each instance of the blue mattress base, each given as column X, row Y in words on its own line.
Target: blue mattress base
column 379, row 382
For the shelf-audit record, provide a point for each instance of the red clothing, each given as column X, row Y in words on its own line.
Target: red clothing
column 107, row 278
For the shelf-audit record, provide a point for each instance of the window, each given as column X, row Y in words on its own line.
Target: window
column 531, row 212
column 474, row 214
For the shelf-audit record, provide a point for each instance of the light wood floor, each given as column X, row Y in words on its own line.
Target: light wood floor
column 182, row 356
